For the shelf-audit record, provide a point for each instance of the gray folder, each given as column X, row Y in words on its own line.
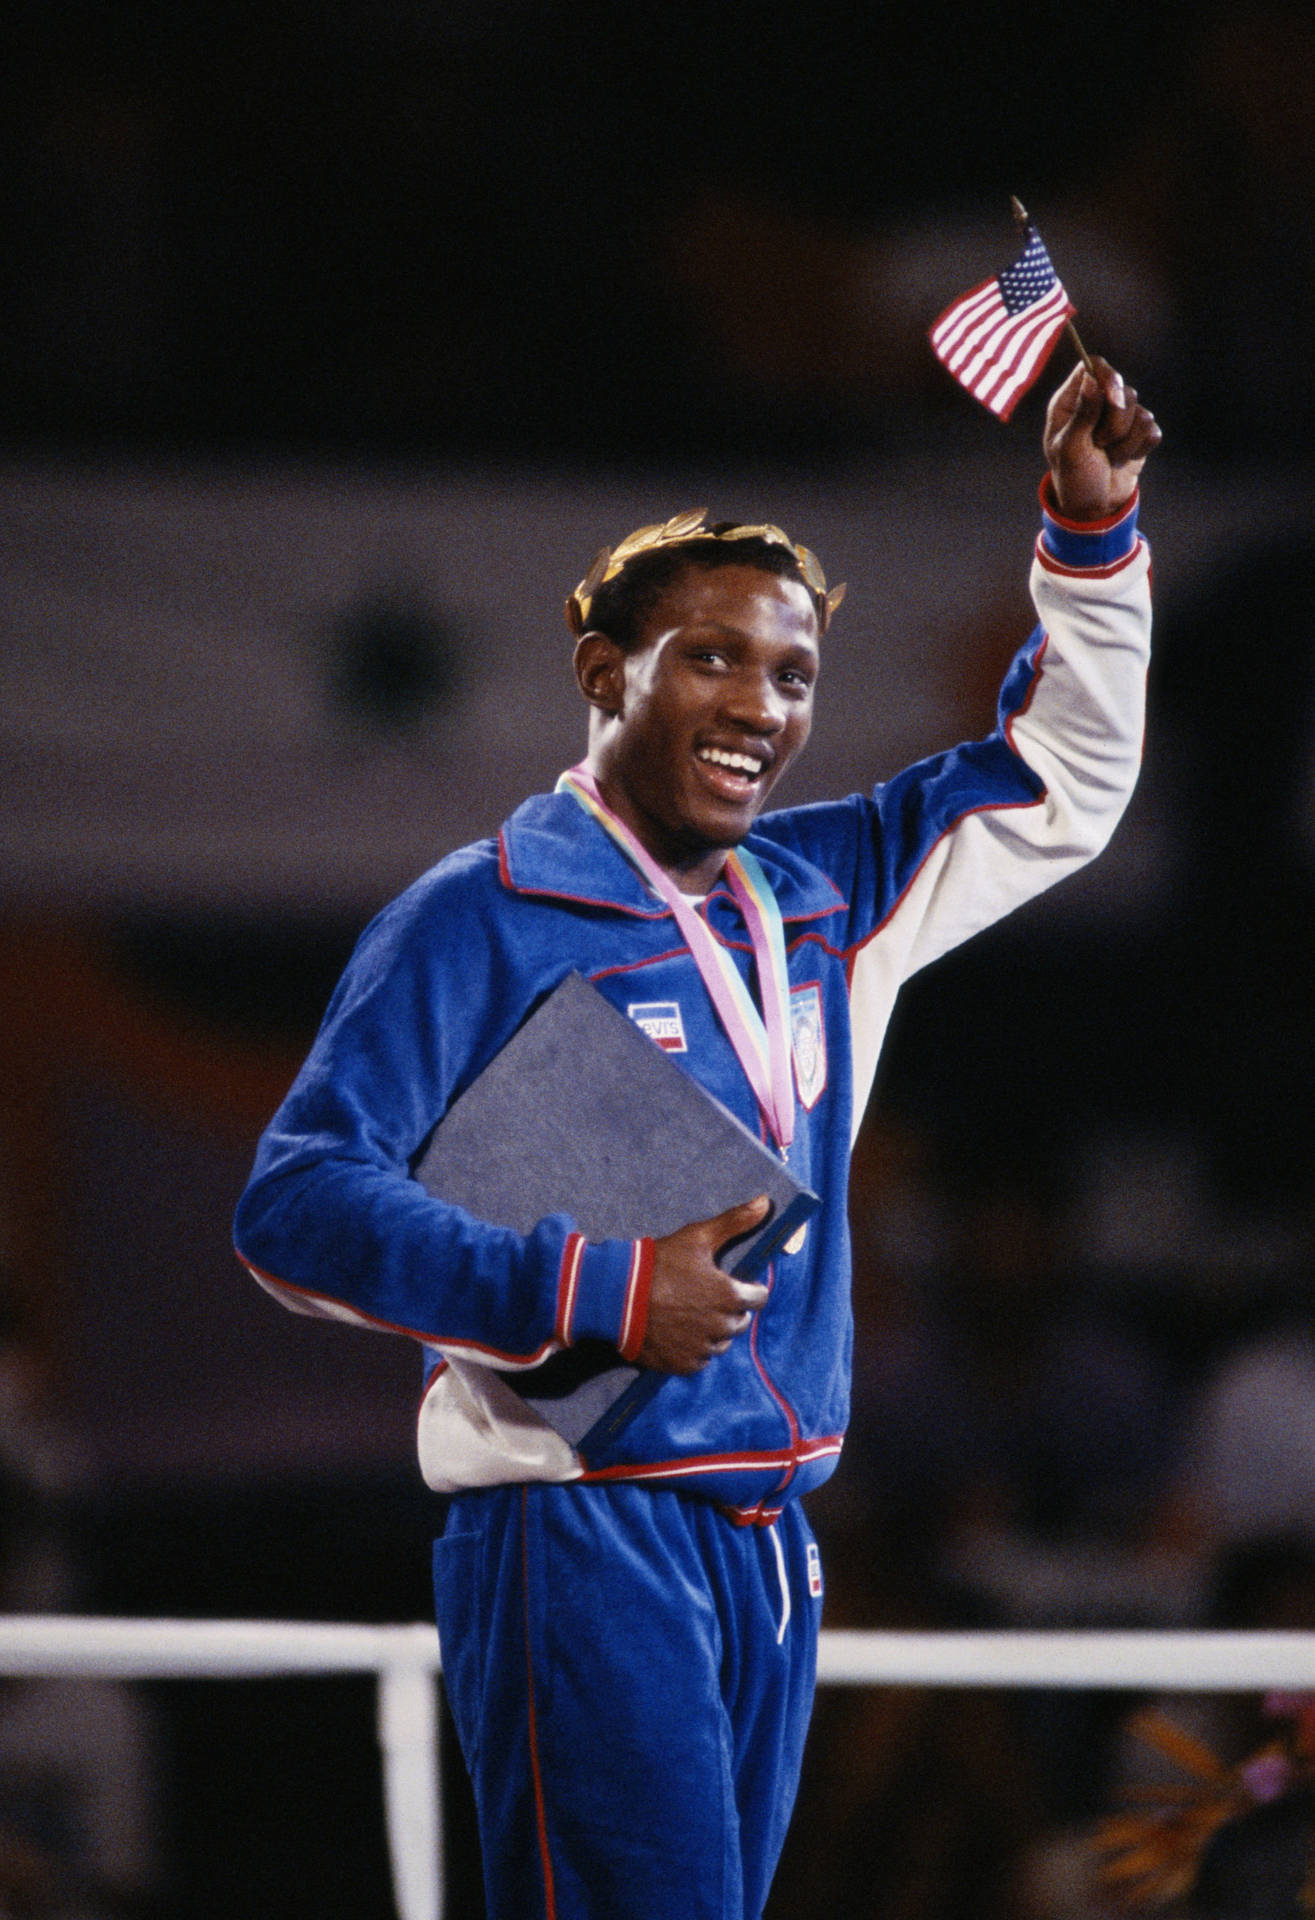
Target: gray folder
column 581, row 1113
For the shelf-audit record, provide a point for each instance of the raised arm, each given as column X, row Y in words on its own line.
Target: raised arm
column 957, row 841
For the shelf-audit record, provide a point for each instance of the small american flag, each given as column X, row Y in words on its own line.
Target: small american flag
column 996, row 338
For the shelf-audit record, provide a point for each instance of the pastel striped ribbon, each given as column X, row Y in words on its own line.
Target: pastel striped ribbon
column 761, row 1040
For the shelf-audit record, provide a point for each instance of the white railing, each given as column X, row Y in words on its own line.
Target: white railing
column 406, row 1660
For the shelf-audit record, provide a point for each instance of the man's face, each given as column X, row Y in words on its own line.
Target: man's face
column 695, row 726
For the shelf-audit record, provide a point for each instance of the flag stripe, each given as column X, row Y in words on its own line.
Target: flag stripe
column 1006, row 398
column 955, row 318
column 1014, row 379
column 996, row 338
column 1007, row 338
column 1023, row 347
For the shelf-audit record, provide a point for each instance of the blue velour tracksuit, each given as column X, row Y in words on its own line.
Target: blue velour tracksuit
column 629, row 1635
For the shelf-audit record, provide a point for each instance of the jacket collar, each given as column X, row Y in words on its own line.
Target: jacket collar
column 552, row 846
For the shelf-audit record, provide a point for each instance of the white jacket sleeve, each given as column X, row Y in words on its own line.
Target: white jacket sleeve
column 970, row 835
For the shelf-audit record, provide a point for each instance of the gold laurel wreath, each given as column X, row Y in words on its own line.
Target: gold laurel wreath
column 683, row 529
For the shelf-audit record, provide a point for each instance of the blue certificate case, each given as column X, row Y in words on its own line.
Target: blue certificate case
column 581, row 1113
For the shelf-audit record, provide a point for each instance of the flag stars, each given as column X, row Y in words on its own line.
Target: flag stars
column 997, row 337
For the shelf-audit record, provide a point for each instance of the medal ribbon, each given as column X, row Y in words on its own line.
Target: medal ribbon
column 761, row 1041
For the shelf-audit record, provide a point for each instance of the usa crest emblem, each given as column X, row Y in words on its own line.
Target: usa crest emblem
column 808, row 1043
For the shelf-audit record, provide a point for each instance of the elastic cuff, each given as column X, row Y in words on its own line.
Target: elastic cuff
column 635, row 1323
column 603, row 1292
column 1087, row 546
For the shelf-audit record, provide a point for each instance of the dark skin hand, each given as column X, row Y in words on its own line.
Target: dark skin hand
column 694, row 1309
column 1097, row 440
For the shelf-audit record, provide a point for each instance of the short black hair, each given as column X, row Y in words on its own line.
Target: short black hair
column 622, row 606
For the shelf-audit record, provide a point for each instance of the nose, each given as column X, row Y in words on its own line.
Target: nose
column 754, row 701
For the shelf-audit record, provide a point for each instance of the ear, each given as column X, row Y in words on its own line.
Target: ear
column 600, row 669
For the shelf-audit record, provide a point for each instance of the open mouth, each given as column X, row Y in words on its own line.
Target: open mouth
column 735, row 774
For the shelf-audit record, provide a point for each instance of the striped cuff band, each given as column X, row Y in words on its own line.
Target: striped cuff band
column 1087, row 546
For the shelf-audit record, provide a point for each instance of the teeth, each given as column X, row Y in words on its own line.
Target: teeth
column 737, row 762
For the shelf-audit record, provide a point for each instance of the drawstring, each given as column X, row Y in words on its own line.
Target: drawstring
column 775, row 1539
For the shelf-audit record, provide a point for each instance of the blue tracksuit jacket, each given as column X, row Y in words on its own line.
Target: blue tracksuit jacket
column 870, row 889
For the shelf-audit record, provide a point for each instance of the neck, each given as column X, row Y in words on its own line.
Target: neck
column 695, row 872
column 694, row 867
column 697, row 875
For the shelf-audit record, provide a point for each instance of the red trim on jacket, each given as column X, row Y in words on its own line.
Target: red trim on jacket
column 658, row 912
column 1049, row 505
column 773, row 1462
column 1107, row 572
column 634, row 1321
column 344, row 1312
column 568, row 1287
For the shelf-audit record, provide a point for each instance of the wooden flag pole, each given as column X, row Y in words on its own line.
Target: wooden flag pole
column 1024, row 221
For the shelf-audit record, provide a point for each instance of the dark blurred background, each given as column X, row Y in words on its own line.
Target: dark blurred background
column 334, row 341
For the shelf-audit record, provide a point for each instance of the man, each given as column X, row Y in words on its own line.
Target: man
column 629, row 1635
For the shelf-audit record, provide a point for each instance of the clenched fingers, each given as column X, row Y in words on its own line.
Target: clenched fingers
column 1128, row 432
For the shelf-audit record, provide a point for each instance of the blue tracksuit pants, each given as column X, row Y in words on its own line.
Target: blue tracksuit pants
column 631, row 1677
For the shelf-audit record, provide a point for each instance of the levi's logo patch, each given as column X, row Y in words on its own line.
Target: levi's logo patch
column 661, row 1021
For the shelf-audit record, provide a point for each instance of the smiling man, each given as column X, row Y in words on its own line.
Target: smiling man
column 692, row 729
column 629, row 1633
